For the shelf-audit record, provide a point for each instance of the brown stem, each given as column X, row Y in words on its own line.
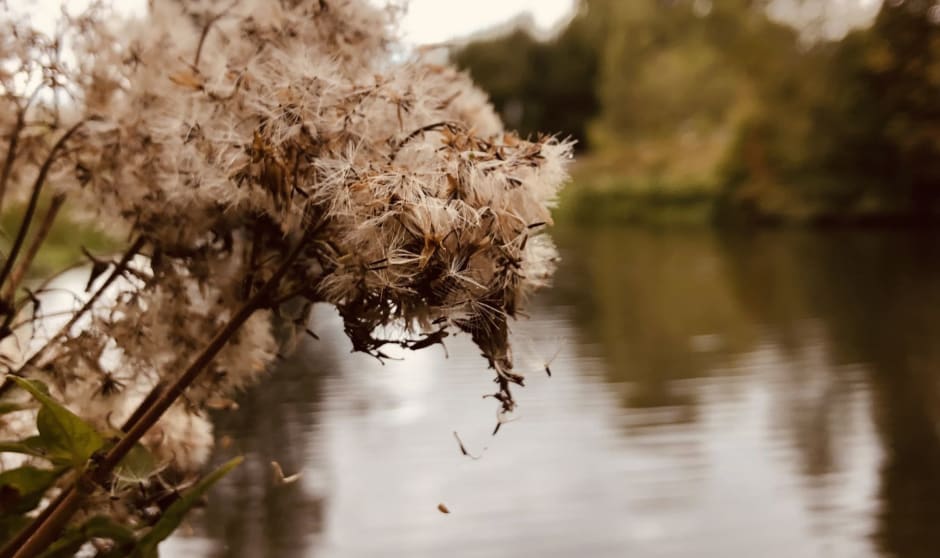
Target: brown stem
column 98, row 473
column 418, row 132
column 43, row 535
column 16, row 542
column 48, row 279
column 14, row 143
column 37, row 317
column 164, row 396
column 205, row 33
column 34, row 200
column 11, row 154
column 19, row 272
column 115, row 273
column 138, row 413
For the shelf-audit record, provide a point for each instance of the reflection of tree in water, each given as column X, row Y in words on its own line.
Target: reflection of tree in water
column 825, row 302
column 876, row 294
column 248, row 514
column 657, row 304
column 782, row 281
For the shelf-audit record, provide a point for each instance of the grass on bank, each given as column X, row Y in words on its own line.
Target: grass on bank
column 63, row 245
column 630, row 188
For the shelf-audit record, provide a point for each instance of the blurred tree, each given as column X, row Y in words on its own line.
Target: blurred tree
column 546, row 86
column 676, row 79
column 889, row 118
column 660, row 72
column 722, row 96
column 847, row 131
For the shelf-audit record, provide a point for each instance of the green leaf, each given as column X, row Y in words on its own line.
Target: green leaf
column 98, row 527
column 137, row 466
column 30, row 446
column 173, row 516
column 11, row 526
column 8, row 407
column 21, row 489
column 66, row 438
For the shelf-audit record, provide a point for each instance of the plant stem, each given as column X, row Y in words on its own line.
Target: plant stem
column 14, row 143
column 34, row 200
column 16, row 542
column 99, row 473
column 23, row 265
column 115, row 273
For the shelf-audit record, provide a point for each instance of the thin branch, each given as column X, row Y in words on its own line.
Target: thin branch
column 148, row 401
column 115, row 273
column 16, row 542
column 14, row 143
column 27, row 321
column 205, row 33
column 23, row 265
column 34, row 200
column 98, row 472
column 417, row 133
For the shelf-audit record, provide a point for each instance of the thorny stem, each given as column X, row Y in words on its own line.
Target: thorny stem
column 23, row 265
column 115, row 273
column 98, row 473
column 34, row 200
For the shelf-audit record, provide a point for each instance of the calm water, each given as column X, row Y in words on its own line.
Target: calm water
column 775, row 394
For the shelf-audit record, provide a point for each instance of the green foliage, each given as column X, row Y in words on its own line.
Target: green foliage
column 540, row 86
column 627, row 205
column 64, row 438
column 10, row 525
column 31, row 446
column 661, row 72
column 727, row 101
column 99, row 527
column 69, row 443
column 61, row 248
column 173, row 516
column 138, row 466
column 22, row 488
column 889, row 116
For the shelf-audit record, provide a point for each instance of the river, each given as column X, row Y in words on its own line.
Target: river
column 772, row 394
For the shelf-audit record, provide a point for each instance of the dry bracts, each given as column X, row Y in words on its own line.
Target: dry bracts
column 222, row 136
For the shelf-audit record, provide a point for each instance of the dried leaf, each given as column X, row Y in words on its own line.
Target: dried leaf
column 187, row 79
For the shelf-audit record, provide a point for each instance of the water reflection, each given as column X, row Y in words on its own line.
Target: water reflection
column 249, row 514
column 773, row 394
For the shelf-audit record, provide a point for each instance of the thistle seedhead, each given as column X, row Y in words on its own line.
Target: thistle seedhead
column 223, row 132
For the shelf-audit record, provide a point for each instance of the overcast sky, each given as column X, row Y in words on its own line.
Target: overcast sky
column 433, row 21
column 427, row 21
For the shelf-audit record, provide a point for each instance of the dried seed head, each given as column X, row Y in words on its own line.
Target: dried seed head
column 222, row 133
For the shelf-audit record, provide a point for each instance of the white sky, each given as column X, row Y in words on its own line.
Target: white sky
column 433, row 21
column 427, row 21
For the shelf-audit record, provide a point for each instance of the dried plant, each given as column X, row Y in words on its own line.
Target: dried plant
column 261, row 157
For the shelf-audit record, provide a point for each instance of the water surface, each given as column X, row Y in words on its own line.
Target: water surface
column 713, row 395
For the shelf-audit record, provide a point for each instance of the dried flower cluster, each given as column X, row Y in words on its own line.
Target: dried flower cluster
column 224, row 136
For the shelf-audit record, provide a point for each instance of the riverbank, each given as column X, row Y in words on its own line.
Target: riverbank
column 609, row 193
column 63, row 245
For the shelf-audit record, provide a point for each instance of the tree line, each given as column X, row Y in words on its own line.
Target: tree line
column 680, row 96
